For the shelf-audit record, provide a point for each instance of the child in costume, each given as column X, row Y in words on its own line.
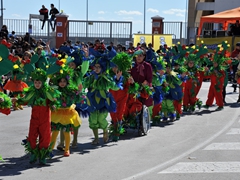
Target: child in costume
column 182, row 75
column 122, row 63
column 99, row 99
column 194, row 82
column 80, row 66
column 217, row 75
column 5, row 104
column 158, row 80
column 173, row 93
column 66, row 117
column 42, row 99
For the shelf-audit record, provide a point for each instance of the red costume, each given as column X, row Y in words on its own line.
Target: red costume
column 192, row 87
column 120, row 97
column 216, row 88
column 40, row 126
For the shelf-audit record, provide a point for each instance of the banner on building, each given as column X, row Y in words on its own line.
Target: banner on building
column 155, row 39
column 212, row 43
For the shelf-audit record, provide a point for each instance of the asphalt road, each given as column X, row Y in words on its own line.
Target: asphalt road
column 203, row 145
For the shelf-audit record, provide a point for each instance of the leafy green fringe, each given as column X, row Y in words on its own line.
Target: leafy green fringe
column 7, row 103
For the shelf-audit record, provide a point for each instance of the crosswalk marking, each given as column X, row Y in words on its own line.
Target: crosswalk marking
column 223, row 146
column 234, row 131
column 203, row 167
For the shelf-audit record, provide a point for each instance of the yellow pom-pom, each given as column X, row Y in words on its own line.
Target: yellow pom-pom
column 226, row 42
column 187, row 47
column 228, row 45
column 63, row 65
column 15, row 66
column 178, row 43
column 59, row 55
column 198, row 38
column 1, row 59
column 219, row 45
column 193, row 47
column 47, row 66
column 205, row 47
column 202, row 42
column 61, row 71
column 64, row 61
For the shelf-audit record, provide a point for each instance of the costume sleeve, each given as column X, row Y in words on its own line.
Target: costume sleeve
column 149, row 75
column 84, row 67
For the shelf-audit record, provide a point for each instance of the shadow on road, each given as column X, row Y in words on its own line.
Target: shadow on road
column 16, row 165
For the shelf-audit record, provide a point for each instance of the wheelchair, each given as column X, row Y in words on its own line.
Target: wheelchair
column 141, row 123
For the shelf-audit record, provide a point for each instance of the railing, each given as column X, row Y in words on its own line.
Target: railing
column 118, row 31
column 100, row 29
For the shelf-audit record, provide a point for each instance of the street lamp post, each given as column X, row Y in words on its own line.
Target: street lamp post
column 59, row 2
column 144, row 18
column 2, row 13
column 87, row 10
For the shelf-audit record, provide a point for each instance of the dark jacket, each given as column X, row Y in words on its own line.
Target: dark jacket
column 53, row 13
column 44, row 11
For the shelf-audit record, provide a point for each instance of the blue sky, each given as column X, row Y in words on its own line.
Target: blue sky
column 106, row 10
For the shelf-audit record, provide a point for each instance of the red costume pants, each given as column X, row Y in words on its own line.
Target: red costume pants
column 40, row 126
column 156, row 109
column 178, row 106
column 120, row 98
column 213, row 93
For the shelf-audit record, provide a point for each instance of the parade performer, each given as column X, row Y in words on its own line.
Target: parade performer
column 80, row 66
column 99, row 99
column 42, row 99
column 66, row 117
column 122, row 64
column 195, row 74
column 5, row 104
column 217, row 75
column 173, row 92
column 159, row 79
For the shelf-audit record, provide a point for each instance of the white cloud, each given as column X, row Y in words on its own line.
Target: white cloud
column 16, row 15
column 152, row 10
column 124, row 12
column 177, row 12
column 180, row 15
column 101, row 12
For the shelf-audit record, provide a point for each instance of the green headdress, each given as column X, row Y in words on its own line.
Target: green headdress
column 196, row 53
column 39, row 74
column 123, row 61
column 64, row 73
column 220, row 55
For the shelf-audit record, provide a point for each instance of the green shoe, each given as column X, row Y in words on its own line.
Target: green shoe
column 185, row 109
column 205, row 106
column 42, row 161
column 33, row 159
column 199, row 104
column 115, row 138
column 178, row 116
column 219, row 108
